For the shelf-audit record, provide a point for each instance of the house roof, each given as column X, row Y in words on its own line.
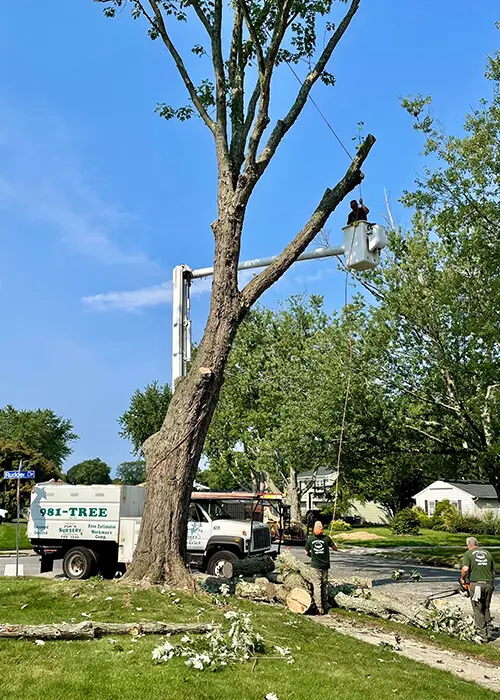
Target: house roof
column 320, row 472
column 476, row 489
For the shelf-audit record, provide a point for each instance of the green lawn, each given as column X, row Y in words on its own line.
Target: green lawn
column 8, row 537
column 327, row 665
column 443, row 556
column 426, row 538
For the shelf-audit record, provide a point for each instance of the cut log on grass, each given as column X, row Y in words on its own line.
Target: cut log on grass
column 356, row 581
column 250, row 566
column 364, row 605
column 281, row 593
column 263, row 590
column 299, row 601
column 92, row 630
column 413, row 615
column 293, row 580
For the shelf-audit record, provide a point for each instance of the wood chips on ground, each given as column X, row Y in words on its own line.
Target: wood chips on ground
column 358, row 535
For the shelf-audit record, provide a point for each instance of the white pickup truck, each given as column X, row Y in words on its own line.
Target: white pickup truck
column 95, row 528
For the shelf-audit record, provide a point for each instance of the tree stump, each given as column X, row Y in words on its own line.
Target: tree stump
column 299, row 601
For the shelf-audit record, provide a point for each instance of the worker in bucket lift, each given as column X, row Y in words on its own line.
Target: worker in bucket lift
column 478, row 568
column 359, row 212
column 318, row 548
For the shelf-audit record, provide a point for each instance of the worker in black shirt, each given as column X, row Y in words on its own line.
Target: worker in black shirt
column 359, row 212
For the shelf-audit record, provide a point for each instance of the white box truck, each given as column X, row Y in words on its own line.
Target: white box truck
column 95, row 528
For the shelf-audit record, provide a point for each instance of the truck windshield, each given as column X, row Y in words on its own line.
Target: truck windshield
column 234, row 510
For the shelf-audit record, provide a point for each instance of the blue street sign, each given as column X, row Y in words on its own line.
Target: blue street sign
column 19, row 475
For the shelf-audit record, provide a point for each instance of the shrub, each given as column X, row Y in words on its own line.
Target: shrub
column 443, row 514
column 424, row 519
column 487, row 524
column 405, row 522
column 339, row 526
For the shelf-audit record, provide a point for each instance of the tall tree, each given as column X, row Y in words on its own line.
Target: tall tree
column 42, row 431
column 89, row 472
column 145, row 415
column 132, row 473
column 262, row 37
column 439, row 312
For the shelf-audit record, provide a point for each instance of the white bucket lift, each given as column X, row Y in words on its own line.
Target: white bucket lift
column 362, row 245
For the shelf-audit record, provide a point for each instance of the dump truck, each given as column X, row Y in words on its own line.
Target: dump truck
column 94, row 529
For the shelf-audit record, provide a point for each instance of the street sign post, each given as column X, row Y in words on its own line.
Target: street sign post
column 18, row 475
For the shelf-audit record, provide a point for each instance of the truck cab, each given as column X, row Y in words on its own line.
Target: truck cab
column 95, row 528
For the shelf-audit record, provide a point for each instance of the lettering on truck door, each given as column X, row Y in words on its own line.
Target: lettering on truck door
column 199, row 529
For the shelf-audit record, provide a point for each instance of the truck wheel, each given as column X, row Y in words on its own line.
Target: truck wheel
column 79, row 563
column 216, row 562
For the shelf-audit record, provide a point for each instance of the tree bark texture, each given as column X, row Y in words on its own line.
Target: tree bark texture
column 261, row 590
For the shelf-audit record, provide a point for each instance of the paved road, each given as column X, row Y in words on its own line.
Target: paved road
column 352, row 562
column 346, row 563
column 357, row 562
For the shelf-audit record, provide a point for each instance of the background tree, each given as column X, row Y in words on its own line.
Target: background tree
column 282, row 405
column 10, row 455
column 132, row 473
column 42, row 431
column 89, row 472
column 145, row 415
column 439, row 313
column 258, row 37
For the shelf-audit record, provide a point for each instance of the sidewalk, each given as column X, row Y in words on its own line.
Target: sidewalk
column 22, row 553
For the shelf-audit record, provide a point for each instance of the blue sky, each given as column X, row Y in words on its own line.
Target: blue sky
column 99, row 196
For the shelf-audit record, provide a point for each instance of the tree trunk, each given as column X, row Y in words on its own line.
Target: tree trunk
column 293, row 496
column 172, row 454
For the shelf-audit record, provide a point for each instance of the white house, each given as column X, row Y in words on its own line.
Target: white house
column 314, row 488
column 469, row 497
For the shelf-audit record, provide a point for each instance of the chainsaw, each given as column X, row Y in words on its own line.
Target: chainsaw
column 463, row 589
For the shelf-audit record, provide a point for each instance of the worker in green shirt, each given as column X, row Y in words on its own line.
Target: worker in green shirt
column 478, row 568
column 318, row 548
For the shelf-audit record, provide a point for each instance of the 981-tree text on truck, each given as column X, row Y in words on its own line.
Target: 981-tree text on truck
column 94, row 529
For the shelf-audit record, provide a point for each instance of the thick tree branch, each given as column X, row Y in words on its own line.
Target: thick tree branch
column 265, row 84
column 202, row 16
column 329, row 202
column 261, row 63
column 162, row 29
column 236, row 71
column 220, row 79
column 283, row 126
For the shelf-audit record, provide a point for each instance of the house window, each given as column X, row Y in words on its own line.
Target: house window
column 426, row 507
column 319, row 486
column 457, row 505
column 432, row 507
